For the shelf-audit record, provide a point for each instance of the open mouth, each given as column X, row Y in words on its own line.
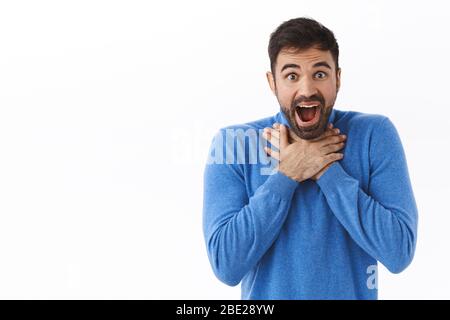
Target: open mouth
column 307, row 114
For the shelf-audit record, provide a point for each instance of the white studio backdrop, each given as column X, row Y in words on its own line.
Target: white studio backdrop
column 107, row 110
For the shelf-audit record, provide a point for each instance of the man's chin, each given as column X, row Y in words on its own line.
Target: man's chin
column 309, row 132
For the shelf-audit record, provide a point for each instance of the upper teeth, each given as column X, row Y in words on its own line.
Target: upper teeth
column 310, row 106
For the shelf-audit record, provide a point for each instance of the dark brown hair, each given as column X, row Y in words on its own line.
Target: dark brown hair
column 301, row 34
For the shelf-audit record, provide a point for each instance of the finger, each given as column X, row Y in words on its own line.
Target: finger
column 266, row 133
column 273, row 136
column 275, row 133
column 331, row 148
column 284, row 142
column 333, row 139
column 274, row 154
column 291, row 133
column 328, row 132
column 275, row 139
column 269, row 133
column 332, row 157
column 292, row 136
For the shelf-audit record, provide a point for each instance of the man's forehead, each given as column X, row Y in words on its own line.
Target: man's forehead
column 304, row 57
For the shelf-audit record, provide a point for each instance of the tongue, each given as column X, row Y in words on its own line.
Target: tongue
column 307, row 114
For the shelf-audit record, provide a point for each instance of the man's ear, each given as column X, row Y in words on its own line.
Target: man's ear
column 271, row 81
column 338, row 79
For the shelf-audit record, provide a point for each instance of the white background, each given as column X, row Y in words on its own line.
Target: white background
column 107, row 109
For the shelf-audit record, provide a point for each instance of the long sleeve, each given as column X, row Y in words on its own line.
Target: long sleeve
column 383, row 221
column 238, row 229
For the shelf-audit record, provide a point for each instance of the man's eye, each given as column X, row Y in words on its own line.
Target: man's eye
column 321, row 75
column 292, row 76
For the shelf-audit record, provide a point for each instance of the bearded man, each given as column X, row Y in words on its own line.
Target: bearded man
column 339, row 201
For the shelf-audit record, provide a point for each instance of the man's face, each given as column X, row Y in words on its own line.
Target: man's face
column 306, row 85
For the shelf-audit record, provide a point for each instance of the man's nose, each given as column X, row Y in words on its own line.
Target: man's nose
column 307, row 87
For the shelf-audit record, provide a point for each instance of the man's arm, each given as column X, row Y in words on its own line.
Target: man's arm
column 383, row 221
column 238, row 230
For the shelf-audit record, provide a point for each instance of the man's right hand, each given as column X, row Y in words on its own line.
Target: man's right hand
column 302, row 159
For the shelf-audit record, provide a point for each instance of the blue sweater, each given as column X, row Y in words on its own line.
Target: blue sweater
column 311, row 240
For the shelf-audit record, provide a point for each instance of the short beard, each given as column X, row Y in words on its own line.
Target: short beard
column 314, row 131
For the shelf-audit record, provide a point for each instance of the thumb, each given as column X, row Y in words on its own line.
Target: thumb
column 283, row 136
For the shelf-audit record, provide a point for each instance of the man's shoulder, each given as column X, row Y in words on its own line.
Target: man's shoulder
column 359, row 120
column 366, row 128
column 356, row 116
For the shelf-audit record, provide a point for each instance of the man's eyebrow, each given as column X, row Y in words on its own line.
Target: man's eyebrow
column 296, row 66
column 322, row 64
column 290, row 65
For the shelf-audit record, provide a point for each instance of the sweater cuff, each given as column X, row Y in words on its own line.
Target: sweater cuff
column 333, row 176
column 280, row 184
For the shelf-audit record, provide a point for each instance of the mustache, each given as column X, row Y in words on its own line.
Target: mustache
column 312, row 98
